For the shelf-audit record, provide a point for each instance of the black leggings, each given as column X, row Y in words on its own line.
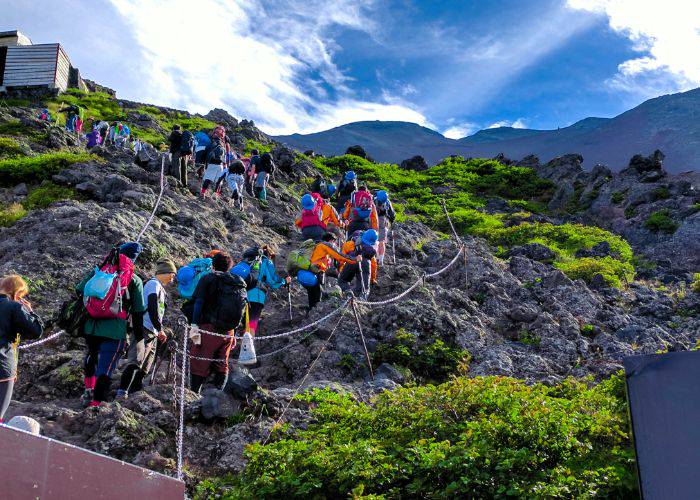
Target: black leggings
column 314, row 292
column 6, row 389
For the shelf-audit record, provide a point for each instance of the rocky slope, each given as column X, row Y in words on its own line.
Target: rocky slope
column 518, row 317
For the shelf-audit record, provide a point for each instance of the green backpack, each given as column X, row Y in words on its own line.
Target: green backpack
column 300, row 259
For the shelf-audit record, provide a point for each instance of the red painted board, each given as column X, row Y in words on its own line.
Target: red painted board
column 36, row 467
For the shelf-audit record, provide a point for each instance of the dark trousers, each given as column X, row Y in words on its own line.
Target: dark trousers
column 6, row 389
column 178, row 167
column 315, row 292
column 351, row 272
column 100, row 361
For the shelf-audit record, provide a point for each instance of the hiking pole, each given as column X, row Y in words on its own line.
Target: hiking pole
column 393, row 247
column 362, row 279
column 289, row 299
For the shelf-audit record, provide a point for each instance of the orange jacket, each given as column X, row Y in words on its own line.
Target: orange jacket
column 373, row 218
column 329, row 215
column 349, row 247
column 324, row 254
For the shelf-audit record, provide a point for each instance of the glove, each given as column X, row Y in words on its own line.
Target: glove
column 195, row 335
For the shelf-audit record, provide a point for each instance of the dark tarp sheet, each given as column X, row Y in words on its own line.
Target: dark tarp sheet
column 664, row 400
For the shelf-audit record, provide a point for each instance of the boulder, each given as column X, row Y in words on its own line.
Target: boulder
column 416, row 163
column 357, row 150
column 218, row 404
column 534, row 251
column 20, row 190
column 240, row 383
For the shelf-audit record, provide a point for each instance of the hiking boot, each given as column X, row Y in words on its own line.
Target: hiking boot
column 247, row 355
column 86, row 397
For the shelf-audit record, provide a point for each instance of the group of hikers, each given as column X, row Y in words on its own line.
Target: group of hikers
column 344, row 234
column 219, row 164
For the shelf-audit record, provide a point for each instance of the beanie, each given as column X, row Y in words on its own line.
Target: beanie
column 131, row 249
column 165, row 266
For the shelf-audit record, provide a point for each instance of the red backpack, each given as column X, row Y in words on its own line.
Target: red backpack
column 312, row 217
column 112, row 305
column 361, row 202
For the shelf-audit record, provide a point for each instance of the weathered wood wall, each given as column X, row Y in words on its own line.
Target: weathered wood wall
column 36, row 65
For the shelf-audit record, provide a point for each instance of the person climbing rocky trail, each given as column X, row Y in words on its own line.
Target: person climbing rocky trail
column 291, row 253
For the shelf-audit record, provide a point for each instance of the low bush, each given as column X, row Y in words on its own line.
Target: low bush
column 483, row 437
column 9, row 148
column 661, row 221
column 695, row 286
column 9, row 214
column 46, row 194
column 614, row 272
column 618, row 197
column 250, row 145
column 16, row 128
column 38, row 168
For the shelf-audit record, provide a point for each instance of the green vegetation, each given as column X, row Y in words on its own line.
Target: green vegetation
column 588, row 330
column 38, row 168
column 630, row 212
column 430, row 360
column 96, row 105
column 661, row 221
column 14, row 101
column 480, row 437
column 48, row 193
column 250, row 145
column 529, row 338
column 695, row 286
column 619, row 196
column 613, row 271
column 15, row 127
column 660, row 193
column 465, row 185
column 166, row 119
column 9, row 148
column 9, row 214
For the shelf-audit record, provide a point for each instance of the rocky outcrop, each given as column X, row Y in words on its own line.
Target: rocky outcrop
column 416, row 163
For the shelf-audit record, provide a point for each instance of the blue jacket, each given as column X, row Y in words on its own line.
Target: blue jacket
column 268, row 276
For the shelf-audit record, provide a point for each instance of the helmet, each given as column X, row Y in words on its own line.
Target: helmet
column 308, row 202
column 350, row 175
column 369, row 237
column 382, row 196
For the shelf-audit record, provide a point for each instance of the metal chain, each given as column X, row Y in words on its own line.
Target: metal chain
column 181, row 422
column 41, row 341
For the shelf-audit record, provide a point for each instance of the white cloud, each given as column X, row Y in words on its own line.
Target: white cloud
column 519, row 123
column 666, row 33
column 460, row 130
column 272, row 62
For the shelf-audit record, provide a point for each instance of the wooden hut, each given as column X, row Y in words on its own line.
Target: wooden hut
column 25, row 65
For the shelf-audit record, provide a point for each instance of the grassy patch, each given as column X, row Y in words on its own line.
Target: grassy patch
column 250, row 145
column 660, row 193
column 16, row 128
column 9, row 148
column 619, row 196
column 9, row 214
column 483, row 437
column 38, row 168
column 614, row 272
column 695, row 285
column 48, row 193
column 661, row 221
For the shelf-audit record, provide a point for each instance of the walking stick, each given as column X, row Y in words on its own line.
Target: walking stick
column 289, row 299
column 393, row 247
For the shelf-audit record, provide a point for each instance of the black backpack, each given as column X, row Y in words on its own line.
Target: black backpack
column 253, row 258
column 217, row 153
column 230, row 302
column 187, row 144
column 266, row 164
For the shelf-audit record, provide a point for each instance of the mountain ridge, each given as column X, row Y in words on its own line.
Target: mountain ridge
column 669, row 122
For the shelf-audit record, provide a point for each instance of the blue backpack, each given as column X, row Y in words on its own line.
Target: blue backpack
column 188, row 276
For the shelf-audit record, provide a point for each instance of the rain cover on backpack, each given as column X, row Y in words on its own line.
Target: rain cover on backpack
column 111, row 305
column 188, row 276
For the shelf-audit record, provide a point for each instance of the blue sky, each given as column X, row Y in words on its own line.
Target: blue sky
column 308, row 65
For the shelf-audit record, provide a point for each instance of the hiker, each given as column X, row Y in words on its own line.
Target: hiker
column 219, row 304
column 385, row 220
column 236, row 179
column 187, row 145
column 311, row 220
column 265, row 276
column 231, row 156
column 360, row 212
column 71, row 113
column 143, row 350
column 202, row 141
column 310, row 263
column 45, row 115
column 121, row 136
column 215, row 158
column 362, row 243
column 328, row 214
column 175, row 140
column 112, row 293
column 320, row 186
column 17, row 321
column 103, row 128
column 345, row 190
column 263, row 171
column 93, row 139
column 253, row 164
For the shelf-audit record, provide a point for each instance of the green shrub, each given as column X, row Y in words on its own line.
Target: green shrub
column 9, row 214
column 661, row 221
column 15, row 127
column 14, row 101
column 660, row 193
column 695, row 286
column 587, row 330
column 46, row 194
column 250, row 145
column 9, row 148
column 430, row 359
column 630, row 212
column 483, row 437
column 619, row 196
column 613, row 271
column 38, row 168
column 529, row 338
